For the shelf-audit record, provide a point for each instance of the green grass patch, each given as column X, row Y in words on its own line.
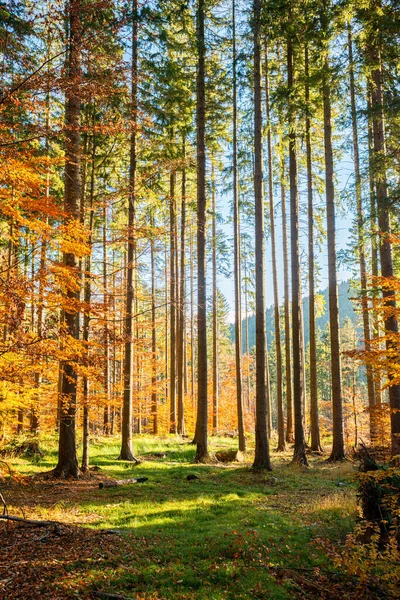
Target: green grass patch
column 216, row 537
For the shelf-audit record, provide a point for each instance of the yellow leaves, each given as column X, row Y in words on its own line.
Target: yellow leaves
column 73, row 238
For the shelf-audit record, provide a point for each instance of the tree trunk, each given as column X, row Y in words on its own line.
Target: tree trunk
column 374, row 241
column 385, row 245
column 338, row 452
column 236, row 252
column 181, row 320
column 67, row 459
column 314, row 420
column 279, row 383
column 87, row 292
column 261, row 458
column 127, row 408
column 106, row 415
column 154, row 410
column 201, row 423
column 173, row 305
column 361, row 245
column 214, row 306
column 298, row 381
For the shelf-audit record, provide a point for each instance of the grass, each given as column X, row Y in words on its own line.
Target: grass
column 217, row 537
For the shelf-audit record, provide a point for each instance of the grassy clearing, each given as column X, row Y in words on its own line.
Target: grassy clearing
column 217, row 537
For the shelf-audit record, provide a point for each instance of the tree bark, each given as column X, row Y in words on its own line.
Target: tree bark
column 201, row 435
column 314, row 420
column 279, row 383
column 384, row 222
column 214, row 305
column 262, row 457
column 173, row 305
column 338, row 452
column 127, row 408
column 67, row 459
column 298, row 381
column 236, row 252
column 361, row 243
column 182, row 307
column 154, row 410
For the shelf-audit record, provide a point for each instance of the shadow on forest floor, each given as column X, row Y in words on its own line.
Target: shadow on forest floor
column 232, row 533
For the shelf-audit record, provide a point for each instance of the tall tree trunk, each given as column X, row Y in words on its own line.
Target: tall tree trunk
column 87, row 292
column 298, row 381
column 127, row 408
column 279, row 383
column 166, row 362
column 286, row 305
column 338, row 452
column 173, row 304
column 384, row 222
column 261, row 458
column 361, row 244
column 314, row 420
column 67, row 459
column 246, row 341
column 214, row 304
column 191, row 318
column 201, row 435
column 106, row 415
column 374, row 240
column 154, row 409
column 182, row 311
column 236, row 252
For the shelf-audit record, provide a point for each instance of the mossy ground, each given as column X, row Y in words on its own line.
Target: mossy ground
column 224, row 535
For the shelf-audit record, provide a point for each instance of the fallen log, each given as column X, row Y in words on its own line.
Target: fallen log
column 116, row 482
column 29, row 521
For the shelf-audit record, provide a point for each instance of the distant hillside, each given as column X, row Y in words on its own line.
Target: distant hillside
column 346, row 310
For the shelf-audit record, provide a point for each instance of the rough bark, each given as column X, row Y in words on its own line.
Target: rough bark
column 173, row 305
column 214, row 306
column 67, row 459
column 201, row 435
column 361, row 243
column 278, row 345
column 315, row 444
column 127, row 408
column 236, row 251
column 182, row 309
column 262, row 457
column 298, row 381
column 384, row 222
column 338, row 451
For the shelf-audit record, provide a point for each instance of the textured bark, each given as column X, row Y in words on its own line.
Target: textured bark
column 384, row 222
column 279, row 382
column 67, row 460
column 182, row 310
column 286, row 307
column 338, row 452
column 315, row 444
column 106, row 378
column 87, row 294
column 262, row 457
column 361, row 244
column 154, row 411
column 298, row 381
column 173, row 304
column 201, row 435
column 374, row 241
column 214, row 305
column 127, row 408
column 236, row 251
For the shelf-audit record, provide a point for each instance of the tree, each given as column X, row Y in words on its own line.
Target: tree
column 261, row 458
column 67, row 460
column 201, row 423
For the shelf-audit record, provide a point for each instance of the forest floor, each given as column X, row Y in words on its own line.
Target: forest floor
column 230, row 534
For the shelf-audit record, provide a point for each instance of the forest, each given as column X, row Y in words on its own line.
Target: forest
column 199, row 299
